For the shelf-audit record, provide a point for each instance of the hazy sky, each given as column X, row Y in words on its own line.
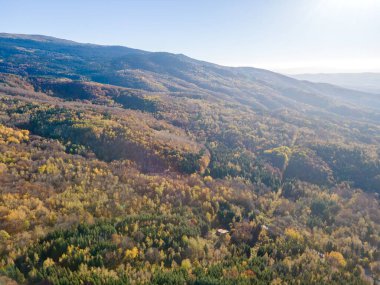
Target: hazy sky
column 289, row 36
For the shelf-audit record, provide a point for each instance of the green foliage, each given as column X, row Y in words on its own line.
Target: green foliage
column 357, row 164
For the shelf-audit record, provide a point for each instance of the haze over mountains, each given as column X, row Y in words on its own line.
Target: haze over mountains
column 366, row 82
column 122, row 166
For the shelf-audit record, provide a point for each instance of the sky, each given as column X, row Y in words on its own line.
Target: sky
column 288, row 36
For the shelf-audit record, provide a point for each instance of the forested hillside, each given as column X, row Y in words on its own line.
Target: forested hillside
column 120, row 166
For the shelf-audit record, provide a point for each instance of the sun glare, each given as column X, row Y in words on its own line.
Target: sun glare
column 351, row 4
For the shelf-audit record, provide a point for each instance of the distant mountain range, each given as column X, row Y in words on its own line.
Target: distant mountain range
column 165, row 72
column 366, row 82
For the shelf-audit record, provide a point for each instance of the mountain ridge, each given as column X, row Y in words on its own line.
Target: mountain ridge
column 160, row 71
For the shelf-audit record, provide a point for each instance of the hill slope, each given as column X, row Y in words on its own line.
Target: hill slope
column 122, row 166
column 164, row 72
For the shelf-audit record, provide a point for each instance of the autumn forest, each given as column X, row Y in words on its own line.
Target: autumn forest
column 120, row 166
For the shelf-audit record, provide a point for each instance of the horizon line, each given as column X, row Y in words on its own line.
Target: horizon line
column 284, row 69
